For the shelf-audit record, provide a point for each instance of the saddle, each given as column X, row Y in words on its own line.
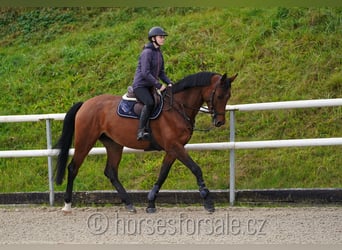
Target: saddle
column 131, row 107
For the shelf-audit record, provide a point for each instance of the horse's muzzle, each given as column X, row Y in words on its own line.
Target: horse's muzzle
column 218, row 123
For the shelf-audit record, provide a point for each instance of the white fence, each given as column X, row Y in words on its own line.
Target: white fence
column 231, row 145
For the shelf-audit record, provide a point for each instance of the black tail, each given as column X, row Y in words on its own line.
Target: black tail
column 64, row 142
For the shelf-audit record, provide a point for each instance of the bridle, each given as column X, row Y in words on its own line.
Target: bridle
column 211, row 109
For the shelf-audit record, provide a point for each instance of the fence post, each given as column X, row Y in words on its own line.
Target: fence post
column 232, row 159
column 50, row 167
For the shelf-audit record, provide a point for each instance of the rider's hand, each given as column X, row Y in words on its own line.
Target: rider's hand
column 163, row 87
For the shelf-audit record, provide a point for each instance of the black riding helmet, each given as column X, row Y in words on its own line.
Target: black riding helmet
column 156, row 31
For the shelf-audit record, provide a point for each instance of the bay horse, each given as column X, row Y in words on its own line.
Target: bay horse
column 97, row 119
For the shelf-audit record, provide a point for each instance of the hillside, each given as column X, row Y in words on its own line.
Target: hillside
column 51, row 58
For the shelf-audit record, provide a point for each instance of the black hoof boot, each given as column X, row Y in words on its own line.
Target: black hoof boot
column 209, row 205
column 208, row 202
column 130, row 208
column 151, row 208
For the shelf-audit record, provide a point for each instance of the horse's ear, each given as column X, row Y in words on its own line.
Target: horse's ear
column 223, row 77
column 233, row 77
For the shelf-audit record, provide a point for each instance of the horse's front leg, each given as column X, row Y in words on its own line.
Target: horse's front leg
column 196, row 170
column 169, row 159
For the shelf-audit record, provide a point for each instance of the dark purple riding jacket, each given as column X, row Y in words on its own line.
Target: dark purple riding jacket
column 150, row 68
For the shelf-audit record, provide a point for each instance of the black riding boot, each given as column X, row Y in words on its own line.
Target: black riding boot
column 144, row 116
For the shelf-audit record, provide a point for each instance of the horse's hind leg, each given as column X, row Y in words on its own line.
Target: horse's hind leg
column 114, row 154
column 82, row 148
column 72, row 172
column 73, row 168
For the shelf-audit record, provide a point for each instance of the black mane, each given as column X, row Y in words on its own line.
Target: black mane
column 195, row 80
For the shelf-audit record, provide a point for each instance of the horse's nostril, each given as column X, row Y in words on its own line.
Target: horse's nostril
column 219, row 123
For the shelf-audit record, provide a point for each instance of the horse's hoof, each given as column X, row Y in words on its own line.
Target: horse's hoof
column 67, row 208
column 210, row 210
column 209, row 206
column 151, row 210
column 66, row 212
column 130, row 208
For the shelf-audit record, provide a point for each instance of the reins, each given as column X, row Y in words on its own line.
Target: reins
column 171, row 106
column 207, row 110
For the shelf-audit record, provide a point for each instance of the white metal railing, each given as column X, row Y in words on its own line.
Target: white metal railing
column 231, row 145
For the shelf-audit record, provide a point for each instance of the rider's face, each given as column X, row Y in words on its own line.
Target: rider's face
column 160, row 39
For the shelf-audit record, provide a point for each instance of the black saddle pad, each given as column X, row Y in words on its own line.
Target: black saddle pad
column 126, row 109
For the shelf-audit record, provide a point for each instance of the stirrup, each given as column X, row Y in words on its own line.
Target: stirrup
column 142, row 135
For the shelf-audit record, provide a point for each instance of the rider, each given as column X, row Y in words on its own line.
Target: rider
column 149, row 72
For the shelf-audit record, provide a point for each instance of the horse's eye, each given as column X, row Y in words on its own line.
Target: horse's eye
column 220, row 97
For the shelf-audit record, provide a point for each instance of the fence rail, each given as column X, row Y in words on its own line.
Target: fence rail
column 231, row 145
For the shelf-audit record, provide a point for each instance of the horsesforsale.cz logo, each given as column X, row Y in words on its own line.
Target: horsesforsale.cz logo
column 97, row 223
column 183, row 224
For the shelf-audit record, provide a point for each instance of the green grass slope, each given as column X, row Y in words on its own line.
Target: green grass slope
column 51, row 58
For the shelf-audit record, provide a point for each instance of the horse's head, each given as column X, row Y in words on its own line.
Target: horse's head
column 218, row 96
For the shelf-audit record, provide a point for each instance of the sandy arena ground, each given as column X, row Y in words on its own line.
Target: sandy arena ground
column 228, row 225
